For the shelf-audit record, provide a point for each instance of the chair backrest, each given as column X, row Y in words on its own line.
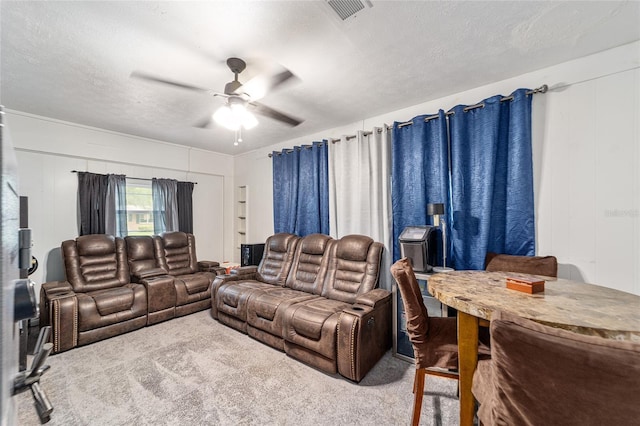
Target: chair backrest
column 279, row 250
column 309, row 266
column 416, row 313
column 544, row 375
column 536, row 265
column 176, row 252
column 95, row 262
column 140, row 254
column 353, row 269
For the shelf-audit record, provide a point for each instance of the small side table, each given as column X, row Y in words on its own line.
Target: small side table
column 228, row 266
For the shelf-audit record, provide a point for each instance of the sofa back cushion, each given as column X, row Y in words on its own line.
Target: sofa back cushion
column 176, row 253
column 353, row 269
column 95, row 262
column 140, row 254
column 310, row 264
column 277, row 258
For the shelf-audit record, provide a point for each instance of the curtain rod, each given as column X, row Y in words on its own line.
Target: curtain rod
column 129, row 177
column 332, row 140
column 366, row 133
column 542, row 89
column 289, row 151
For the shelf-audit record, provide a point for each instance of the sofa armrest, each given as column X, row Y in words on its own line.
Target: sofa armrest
column 219, row 270
column 59, row 309
column 374, row 297
column 207, row 266
column 364, row 335
column 47, row 291
column 140, row 276
column 245, row 272
column 53, row 287
column 217, row 282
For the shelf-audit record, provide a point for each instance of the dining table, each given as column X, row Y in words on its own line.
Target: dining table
column 575, row 306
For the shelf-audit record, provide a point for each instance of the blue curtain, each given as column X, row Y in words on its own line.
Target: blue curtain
column 492, row 180
column 301, row 189
column 420, row 172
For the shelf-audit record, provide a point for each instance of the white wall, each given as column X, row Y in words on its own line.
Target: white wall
column 47, row 150
column 586, row 142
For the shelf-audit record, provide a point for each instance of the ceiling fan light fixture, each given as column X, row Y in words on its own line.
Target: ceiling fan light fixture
column 235, row 115
column 249, row 121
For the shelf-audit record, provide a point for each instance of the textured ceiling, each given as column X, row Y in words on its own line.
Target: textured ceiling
column 72, row 60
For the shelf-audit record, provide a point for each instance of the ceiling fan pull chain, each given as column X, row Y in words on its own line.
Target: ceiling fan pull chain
column 238, row 136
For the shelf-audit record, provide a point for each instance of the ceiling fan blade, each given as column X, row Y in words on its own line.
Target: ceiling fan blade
column 203, row 123
column 149, row 77
column 259, row 86
column 276, row 115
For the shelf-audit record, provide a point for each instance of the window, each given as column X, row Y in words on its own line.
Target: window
column 139, row 207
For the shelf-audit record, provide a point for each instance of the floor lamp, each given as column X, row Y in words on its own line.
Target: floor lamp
column 436, row 210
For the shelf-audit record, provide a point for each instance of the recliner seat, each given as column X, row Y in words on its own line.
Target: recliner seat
column 230, row 293
column 145, row 269
column 176, row 255
column 311, row 328
column 320, row 304
column 97, row 301
column 266, row 307
column 117, row 285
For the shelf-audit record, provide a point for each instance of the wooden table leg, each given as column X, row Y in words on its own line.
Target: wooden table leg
column 467, row 361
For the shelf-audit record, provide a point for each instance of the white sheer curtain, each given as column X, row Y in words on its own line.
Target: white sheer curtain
column 359, row 190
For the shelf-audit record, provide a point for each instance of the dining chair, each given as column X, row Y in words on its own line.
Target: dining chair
column 536, row 265
column 541, row 375
column 434, row 339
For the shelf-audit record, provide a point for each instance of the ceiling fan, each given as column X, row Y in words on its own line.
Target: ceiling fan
column 241, row 98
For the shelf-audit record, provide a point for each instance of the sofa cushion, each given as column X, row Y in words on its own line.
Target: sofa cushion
column 95, row 262
column 195, row 283
column 176, row 252
column 265, row 304
column 231, row 298
column 111, row 306
column 353, row 268
column 96, row 245
column 307, row 319
column 277, row 258
column 266, row 308
column 310, row 263
column 113, row 300
column 354, row 247
column 175, row 239
column 141, row 257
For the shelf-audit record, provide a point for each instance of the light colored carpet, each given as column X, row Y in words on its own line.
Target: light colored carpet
column 195, row 371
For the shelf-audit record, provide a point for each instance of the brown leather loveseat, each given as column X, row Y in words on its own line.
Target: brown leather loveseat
column 315, row 298
column 117, row 285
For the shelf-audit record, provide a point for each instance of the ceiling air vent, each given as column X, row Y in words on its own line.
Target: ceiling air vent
column 348, row 8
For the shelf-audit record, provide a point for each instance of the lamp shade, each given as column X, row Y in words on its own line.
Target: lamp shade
column 235, row 114
column 435, row 209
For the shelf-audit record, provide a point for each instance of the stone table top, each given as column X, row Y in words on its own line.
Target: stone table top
column 579, row 307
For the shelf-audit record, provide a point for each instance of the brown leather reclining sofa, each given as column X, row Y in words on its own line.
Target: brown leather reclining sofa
column 117, row 285
column 313, row 297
